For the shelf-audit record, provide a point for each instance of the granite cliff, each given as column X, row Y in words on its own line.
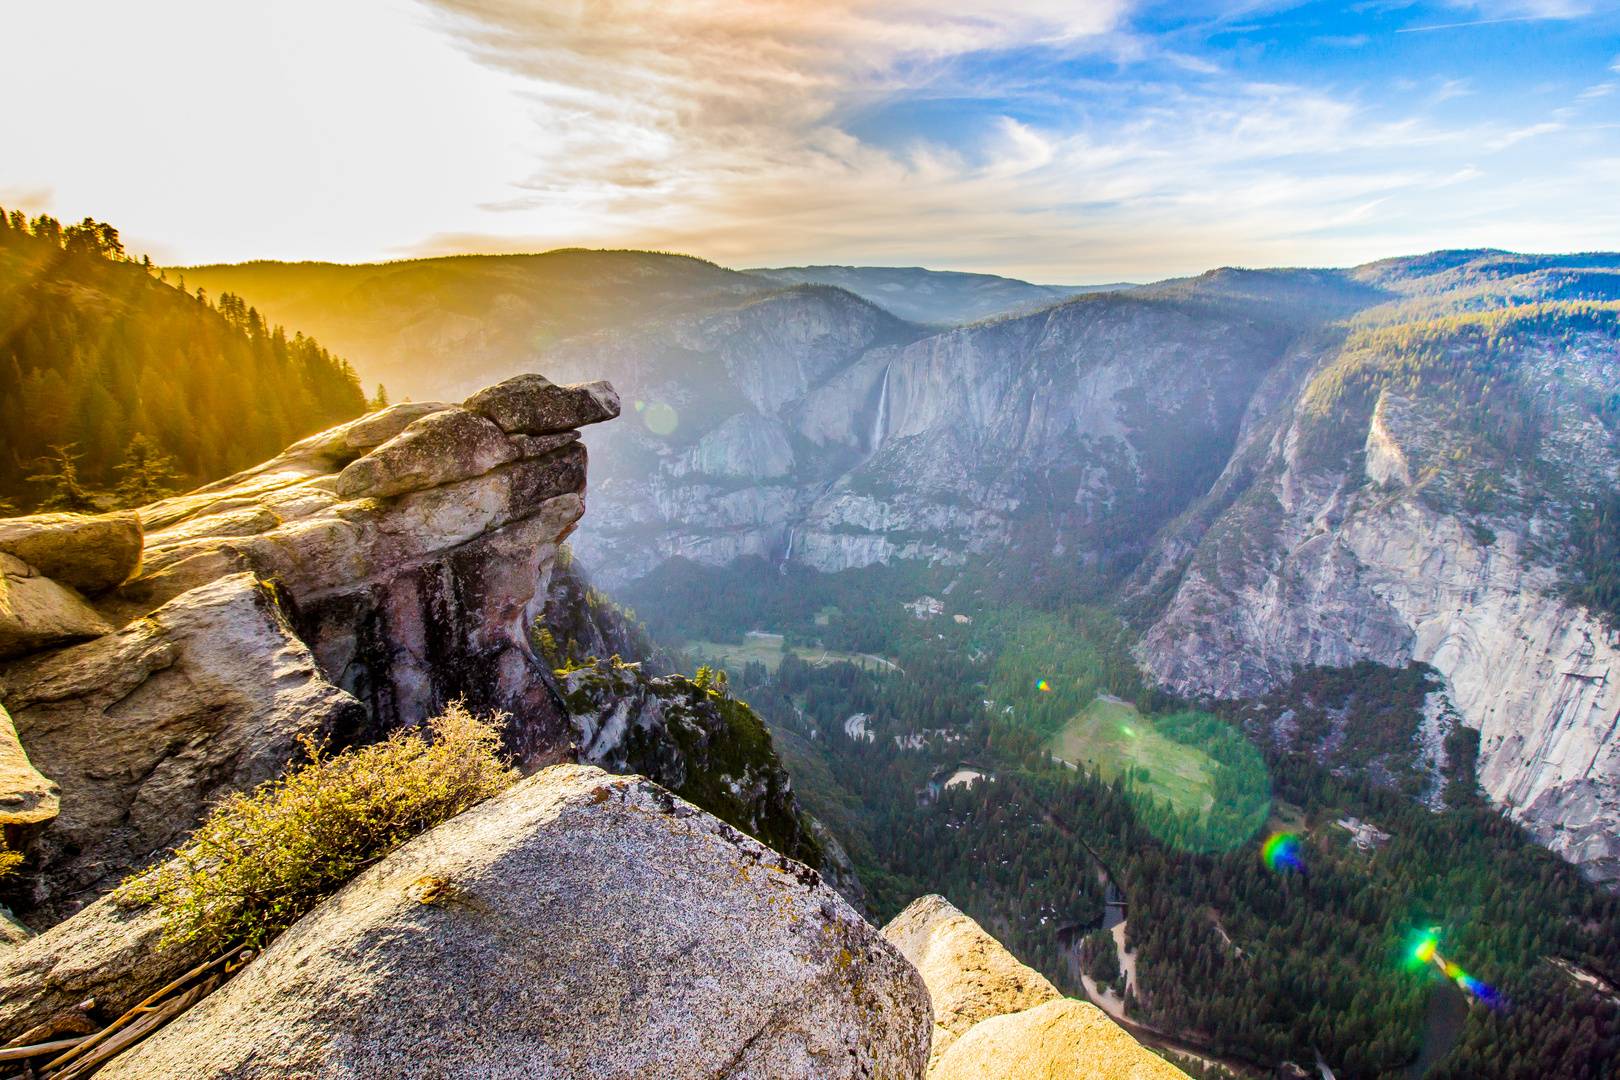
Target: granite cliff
column 1409, row 494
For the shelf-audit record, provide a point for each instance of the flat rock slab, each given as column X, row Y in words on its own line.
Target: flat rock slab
column 88, row 552
column 582, row 925
column 106, row 952
column 439, row 449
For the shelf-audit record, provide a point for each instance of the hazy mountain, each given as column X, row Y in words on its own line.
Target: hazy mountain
column 932, row 296
column 441, row 328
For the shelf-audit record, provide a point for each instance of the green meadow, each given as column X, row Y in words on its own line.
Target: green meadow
column 768, row 650
column 1110, row 736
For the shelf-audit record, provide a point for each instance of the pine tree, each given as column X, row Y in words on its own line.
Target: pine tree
column 148, row 474
column 65, row 492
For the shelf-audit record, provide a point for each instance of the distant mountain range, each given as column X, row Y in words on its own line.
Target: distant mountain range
column 942, row 298
column 1402, row 460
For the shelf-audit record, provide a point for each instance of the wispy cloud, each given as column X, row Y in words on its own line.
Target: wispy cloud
column 726, row 128
column 1507, row 139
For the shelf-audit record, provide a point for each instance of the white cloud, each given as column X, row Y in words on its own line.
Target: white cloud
column 1507, row 139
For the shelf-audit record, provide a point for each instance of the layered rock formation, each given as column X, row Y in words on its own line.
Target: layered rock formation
column 579, row 925
column 356, row 583
column 995, row 1018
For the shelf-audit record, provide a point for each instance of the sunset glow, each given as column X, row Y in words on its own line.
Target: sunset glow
column 1074, row 142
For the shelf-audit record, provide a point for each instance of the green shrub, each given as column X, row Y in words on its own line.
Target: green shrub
column 261, row 861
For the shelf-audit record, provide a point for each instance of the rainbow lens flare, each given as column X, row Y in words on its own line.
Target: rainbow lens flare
column 1281, row 851
column 1043, row 685
column 1426, row 950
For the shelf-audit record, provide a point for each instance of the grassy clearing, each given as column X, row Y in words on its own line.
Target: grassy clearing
column 1112, row 736
column 768, row 650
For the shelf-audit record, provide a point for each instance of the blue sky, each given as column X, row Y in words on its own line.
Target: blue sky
column 1055, row 141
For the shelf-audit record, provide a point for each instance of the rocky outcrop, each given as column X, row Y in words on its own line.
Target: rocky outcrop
column 358, row 582
column 695, row 740
column 996, row 1019
column 87, row 552
column 37, row 613
column 144, row 728
column 414, row 575
column 1060, row 1040
column 970, row 976
column 580, row 924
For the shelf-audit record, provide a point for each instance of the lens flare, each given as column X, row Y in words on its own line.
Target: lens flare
column 1426, row 950
column 661, row 419
column 1281, row 851
column 1043, row 685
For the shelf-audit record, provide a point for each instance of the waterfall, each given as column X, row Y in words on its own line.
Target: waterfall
column 782, row 567
column 881, row 423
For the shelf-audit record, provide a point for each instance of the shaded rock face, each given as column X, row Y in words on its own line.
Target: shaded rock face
column 28, row 800
column 506, row 934
column 144, row 728
column 696, row 741
column 1375, row 543
column 288, row 601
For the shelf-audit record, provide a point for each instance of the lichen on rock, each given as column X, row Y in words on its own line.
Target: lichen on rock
column 694, row 739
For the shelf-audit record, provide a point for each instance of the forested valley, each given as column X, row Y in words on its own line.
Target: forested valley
column 118, row 387
column 933, row 749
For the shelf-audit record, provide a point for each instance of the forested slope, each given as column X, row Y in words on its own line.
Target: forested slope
column 106, row 371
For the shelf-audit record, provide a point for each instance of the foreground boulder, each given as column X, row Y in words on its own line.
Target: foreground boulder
column 88, row 552
column 579, row 925
column 970, row 976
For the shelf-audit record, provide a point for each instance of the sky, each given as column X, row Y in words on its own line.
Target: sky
column 1079, row 142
